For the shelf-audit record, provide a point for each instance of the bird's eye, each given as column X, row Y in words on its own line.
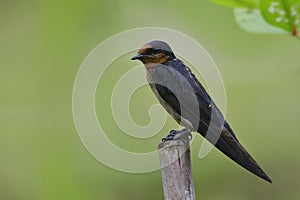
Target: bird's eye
column 155, row 51
column 152, row 51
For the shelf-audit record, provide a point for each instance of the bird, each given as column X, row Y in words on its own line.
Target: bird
column 186, row 100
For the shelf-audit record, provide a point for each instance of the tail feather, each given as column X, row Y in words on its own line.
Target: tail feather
column 230, row 146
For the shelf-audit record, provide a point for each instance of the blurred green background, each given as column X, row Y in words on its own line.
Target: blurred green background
column 42, row 44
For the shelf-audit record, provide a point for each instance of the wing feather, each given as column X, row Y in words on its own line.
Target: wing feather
column 179, row 87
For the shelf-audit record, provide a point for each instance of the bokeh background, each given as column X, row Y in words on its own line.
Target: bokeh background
column 43, row 43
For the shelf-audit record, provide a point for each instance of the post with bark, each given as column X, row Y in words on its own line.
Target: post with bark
column 176, row 170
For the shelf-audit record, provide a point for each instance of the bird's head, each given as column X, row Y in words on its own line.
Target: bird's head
column 154, row 52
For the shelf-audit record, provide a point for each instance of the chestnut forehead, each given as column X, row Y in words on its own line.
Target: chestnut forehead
column 144, row 48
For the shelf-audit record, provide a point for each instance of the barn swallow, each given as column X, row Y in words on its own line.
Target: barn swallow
column 186, row 100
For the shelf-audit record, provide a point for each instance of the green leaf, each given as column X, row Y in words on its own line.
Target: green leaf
column 284, row 14
column 238, row 3
column 251, row 21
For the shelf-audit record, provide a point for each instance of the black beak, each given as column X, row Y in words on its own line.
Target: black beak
column 137, row 57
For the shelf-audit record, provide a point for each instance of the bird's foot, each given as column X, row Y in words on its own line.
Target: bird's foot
column 183, row 134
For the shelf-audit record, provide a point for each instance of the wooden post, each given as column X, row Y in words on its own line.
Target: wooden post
column 176, row 170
